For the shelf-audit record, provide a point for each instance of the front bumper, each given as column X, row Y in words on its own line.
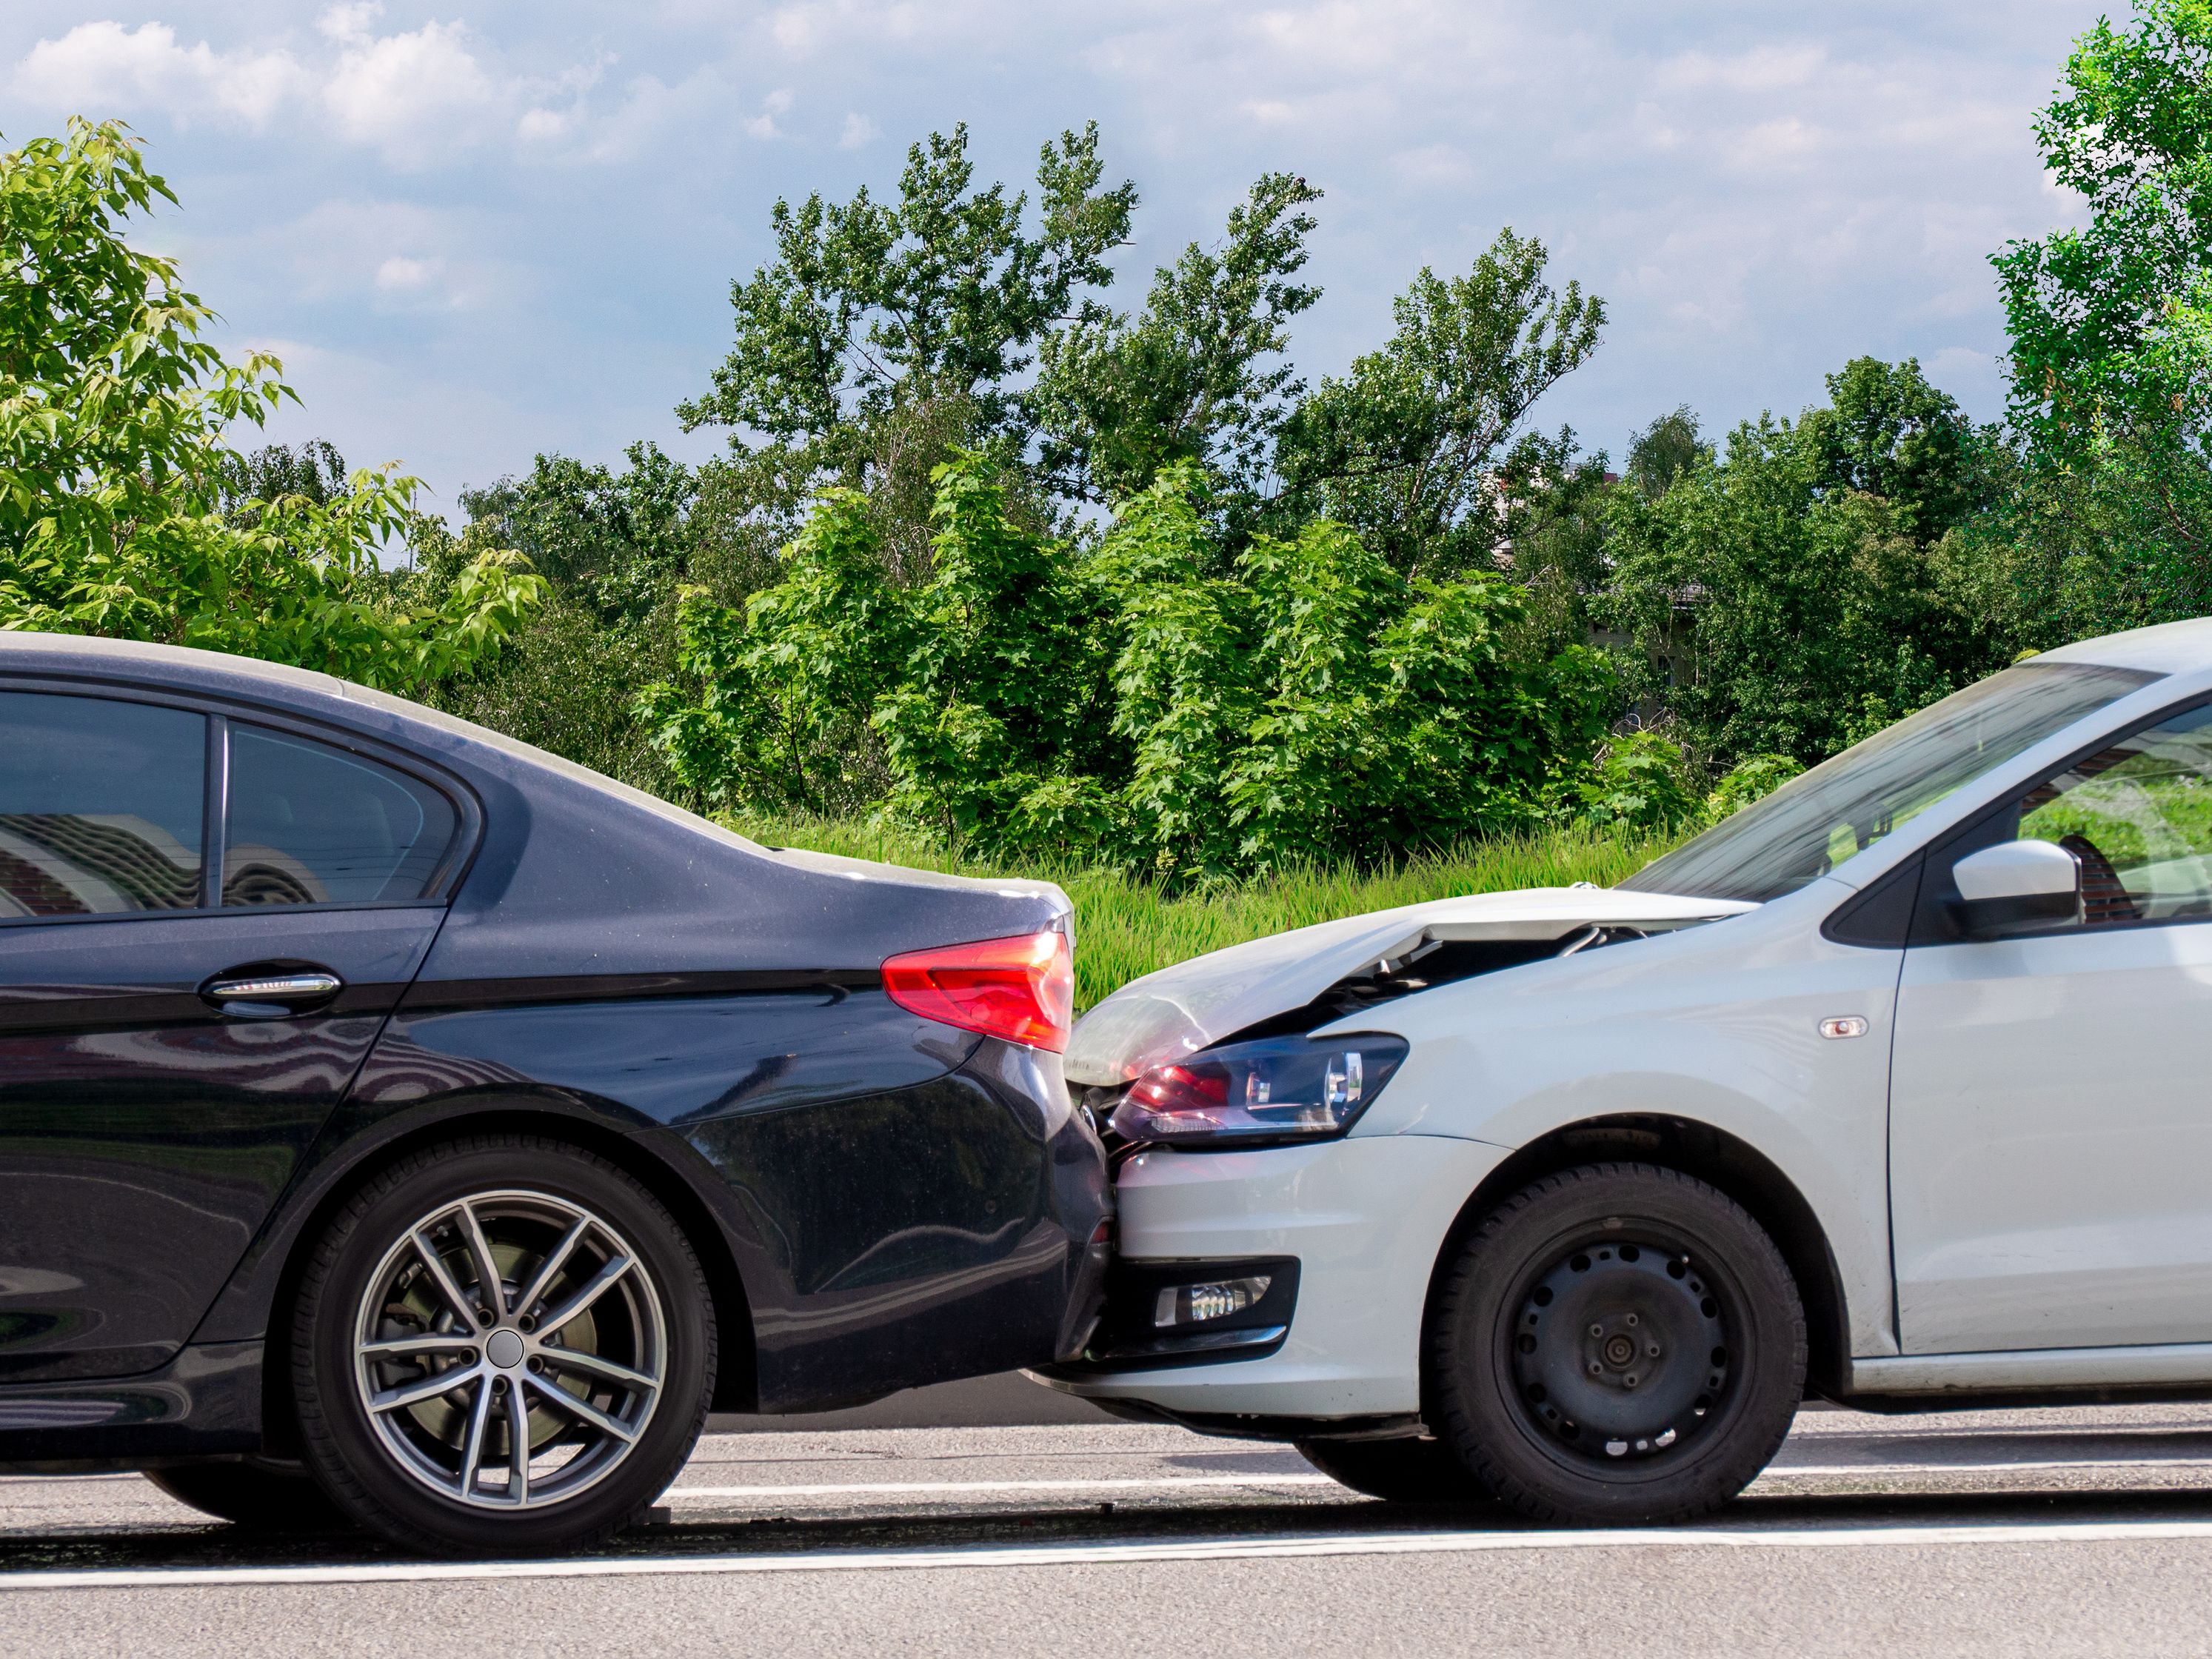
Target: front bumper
column 1364, row 1218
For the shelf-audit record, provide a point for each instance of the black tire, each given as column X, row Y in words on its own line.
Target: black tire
column 412, row 1473
column 1407, row 1471
column 1617, row 1344
column 262, row 1494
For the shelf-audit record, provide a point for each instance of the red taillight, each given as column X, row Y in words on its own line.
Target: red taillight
column 1021, row 989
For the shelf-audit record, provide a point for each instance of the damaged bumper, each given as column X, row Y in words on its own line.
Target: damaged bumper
column 1335, row 1335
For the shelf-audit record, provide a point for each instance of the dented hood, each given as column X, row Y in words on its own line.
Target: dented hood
column 1180, row 1010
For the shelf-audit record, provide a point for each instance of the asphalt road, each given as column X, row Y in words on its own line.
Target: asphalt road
column 2084, row 1531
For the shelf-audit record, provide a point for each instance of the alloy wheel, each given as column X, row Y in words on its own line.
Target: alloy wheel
column 510, row 1349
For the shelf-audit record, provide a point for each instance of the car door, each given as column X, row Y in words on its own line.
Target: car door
column 2051, row 1111
column 170, row 1042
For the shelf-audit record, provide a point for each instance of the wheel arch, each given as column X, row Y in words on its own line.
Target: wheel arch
column 735, row 1382
column 1712, row 1155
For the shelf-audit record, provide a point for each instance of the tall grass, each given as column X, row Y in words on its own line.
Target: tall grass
column 1125, row 927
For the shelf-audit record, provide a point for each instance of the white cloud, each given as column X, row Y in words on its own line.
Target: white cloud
column 646, row 119
column 1765, row 69
column 99, row 67
column 763, row 124
column 812, row 29
column 401, row 275
column 412, row 95
column 348, row 24
column 1435, row 164
column 859, row 131
column 420, row 97
column 544, row 125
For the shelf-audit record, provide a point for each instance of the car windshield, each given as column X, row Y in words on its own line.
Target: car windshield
column 1821, row 819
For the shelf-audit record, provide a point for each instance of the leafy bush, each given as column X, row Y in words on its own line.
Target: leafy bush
column 1157, row 702
column 1638, row 781
column 1749, row 780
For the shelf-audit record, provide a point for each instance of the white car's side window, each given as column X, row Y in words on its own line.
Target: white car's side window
column 2138, row 817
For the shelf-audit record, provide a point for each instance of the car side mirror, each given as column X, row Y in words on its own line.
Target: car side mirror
column 2017, row 886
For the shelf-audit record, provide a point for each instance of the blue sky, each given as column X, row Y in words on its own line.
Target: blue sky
column 481, row 229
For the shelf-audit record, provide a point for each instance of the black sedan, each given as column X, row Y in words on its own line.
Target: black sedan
column 396, row 1118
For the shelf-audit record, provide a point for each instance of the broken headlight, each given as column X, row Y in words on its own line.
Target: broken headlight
column 1289, row 1088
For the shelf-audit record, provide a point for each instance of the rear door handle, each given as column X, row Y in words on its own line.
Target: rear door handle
column 272, row 995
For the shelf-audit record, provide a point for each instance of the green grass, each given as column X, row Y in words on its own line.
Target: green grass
column 1126, row 928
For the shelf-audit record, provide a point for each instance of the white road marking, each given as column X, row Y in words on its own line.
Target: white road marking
column 1877, row 1536
column 1988, row 1468
column 906, row 1488
column 1172, row 1483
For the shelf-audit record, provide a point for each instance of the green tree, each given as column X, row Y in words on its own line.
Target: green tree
column 1665, row 450
column 773, row 710
column 1408, row 448
column 1638, row 781
column 616, row 542
column 313, row 469
column 1198, row 375
column 119, row 513
column 992, row 714
column 2111, row 333
column 1397, row 714
column 1185, row 690
column 1777, row 601
column 1886, row 432
column 869, row 309
column 616, row 547
column 958, row 699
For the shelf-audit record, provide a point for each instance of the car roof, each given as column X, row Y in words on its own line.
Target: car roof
column 129, row 652
column 183, row 667
column 2175, row 647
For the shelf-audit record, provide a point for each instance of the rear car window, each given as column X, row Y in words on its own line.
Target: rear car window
column 311, row 824
column 100, row 805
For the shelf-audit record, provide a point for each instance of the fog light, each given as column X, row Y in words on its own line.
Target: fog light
column 1192, row 1304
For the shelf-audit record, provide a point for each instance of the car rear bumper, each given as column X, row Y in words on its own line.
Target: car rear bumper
column 954, row 1229
column 1362, row 1219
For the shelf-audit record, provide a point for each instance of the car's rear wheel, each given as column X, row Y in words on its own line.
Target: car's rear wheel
column 1616, row 1343
column 1407, row 1471
column 501, row 1345
column 262, row 1494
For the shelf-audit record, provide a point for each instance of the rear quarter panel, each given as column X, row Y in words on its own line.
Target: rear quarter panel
column 897, row 1198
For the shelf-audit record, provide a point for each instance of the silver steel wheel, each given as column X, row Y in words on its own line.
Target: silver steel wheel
column 510, row 1349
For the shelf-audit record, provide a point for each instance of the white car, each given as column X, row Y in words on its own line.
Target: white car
column 1895, row 1087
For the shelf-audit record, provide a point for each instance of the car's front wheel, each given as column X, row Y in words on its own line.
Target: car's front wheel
column 1616, row 1343
column 501, row 1345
